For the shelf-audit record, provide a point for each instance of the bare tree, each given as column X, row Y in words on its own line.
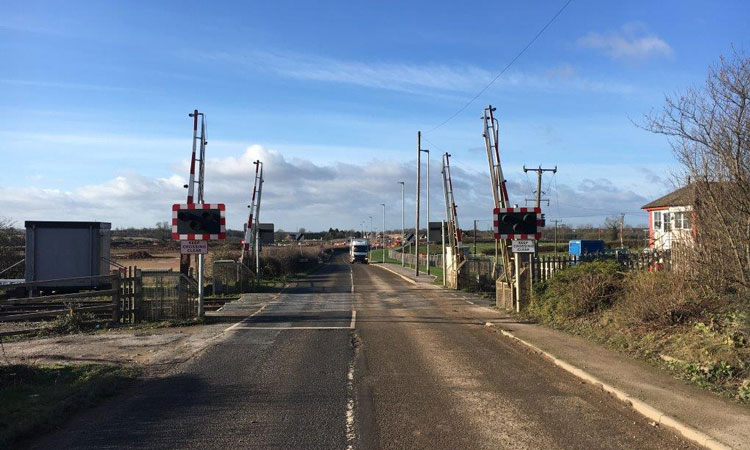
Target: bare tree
column 612, row 225
column 11, row 242
column 709, row 131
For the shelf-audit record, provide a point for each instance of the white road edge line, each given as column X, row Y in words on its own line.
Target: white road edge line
column 245, row 319
column 639, row 406
column 354, row 320
column 397, row 274
column 351, row 435
column 351, row 275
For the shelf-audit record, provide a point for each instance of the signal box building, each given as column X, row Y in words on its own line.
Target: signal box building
column 670, row 219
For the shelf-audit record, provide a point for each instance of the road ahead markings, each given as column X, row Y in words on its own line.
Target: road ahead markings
column 247, row 325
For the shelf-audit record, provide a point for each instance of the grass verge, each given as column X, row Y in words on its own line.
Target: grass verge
column 34, row 399
column 376, row 256
column 660, row 317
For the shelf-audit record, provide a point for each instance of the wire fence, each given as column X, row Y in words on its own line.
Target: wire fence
column 167, row 295
column 231, row 277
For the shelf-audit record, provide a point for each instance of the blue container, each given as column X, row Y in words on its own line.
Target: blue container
column 584, row 247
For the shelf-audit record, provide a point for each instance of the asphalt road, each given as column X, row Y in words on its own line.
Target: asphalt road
column 355, row 357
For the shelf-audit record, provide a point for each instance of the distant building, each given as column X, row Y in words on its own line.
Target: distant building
column 670, row 219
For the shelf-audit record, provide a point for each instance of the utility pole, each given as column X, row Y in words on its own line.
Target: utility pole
column 428, row 208
column 403, row 244
column 442, row 232
column 475, row 237
column 416, row 221
column 539, row 172
column 383, row 236
column 622, row 226
column 555, row 236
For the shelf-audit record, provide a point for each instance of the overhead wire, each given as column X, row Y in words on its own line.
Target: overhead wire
column 507, row 66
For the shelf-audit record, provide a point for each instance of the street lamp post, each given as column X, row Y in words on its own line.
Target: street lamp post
column 371, row 236
column 383, row 205
column 403, row 244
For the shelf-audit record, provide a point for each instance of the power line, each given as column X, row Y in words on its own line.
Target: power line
column 504, row 69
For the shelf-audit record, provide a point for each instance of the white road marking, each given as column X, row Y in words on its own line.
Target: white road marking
column 409, row 280
column 246, row 326
column 351, row 275
column 292, row 328
column 248, row 317
column 351, row 435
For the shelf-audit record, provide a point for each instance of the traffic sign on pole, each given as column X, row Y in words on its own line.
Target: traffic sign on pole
column 193, row 247
column 523, row 246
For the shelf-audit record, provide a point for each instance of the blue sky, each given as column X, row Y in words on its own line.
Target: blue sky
column 95, row 96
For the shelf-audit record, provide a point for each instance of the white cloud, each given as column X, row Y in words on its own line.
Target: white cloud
column 632, row 42
column 299, row 193
column 409, row 77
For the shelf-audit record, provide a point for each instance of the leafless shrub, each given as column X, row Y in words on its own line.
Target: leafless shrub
column 11, row 252
column 709, row 131
column 284, row 261
column 658, row 299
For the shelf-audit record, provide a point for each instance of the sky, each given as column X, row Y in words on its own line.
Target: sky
column 95, row 96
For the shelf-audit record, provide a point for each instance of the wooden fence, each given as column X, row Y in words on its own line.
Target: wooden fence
column 128, row 295
column 543, row 267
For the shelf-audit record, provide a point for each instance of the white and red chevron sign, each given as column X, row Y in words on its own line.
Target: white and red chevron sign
column 496, row 219
column 221, row 234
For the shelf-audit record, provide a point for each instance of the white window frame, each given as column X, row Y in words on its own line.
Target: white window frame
column 657, row 220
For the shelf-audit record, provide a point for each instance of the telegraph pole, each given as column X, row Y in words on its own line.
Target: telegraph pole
column 475, row 237
column 622, row 226
column 416, row 222
column 539, row 172
column 555, row 236
column 428, row 208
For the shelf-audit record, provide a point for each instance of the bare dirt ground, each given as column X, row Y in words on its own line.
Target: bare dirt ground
column 154, row 350
column 161, row 259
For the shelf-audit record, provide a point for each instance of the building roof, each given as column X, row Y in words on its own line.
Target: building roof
column 681, row 197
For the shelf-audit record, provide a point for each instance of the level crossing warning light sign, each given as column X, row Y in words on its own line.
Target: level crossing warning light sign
column 198, row 222
column 518, row 223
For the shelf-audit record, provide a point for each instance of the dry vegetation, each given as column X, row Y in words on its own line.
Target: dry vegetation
column 694, row 320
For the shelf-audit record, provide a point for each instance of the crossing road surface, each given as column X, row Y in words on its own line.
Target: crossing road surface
column 355, row 357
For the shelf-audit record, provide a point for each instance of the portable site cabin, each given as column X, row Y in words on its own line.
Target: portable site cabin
column 57, row 250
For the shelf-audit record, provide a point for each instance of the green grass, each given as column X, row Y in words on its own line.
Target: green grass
column 376, row 256
column 36, row 398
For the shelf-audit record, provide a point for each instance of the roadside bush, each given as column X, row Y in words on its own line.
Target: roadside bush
column 658, row 299
column 72, row 322
column 278, row 262
column 577, row 291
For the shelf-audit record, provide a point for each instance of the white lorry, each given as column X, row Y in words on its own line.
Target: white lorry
column 359, row 250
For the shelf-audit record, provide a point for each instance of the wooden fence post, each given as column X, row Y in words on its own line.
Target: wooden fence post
column 138, row 295
column 116, row 296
